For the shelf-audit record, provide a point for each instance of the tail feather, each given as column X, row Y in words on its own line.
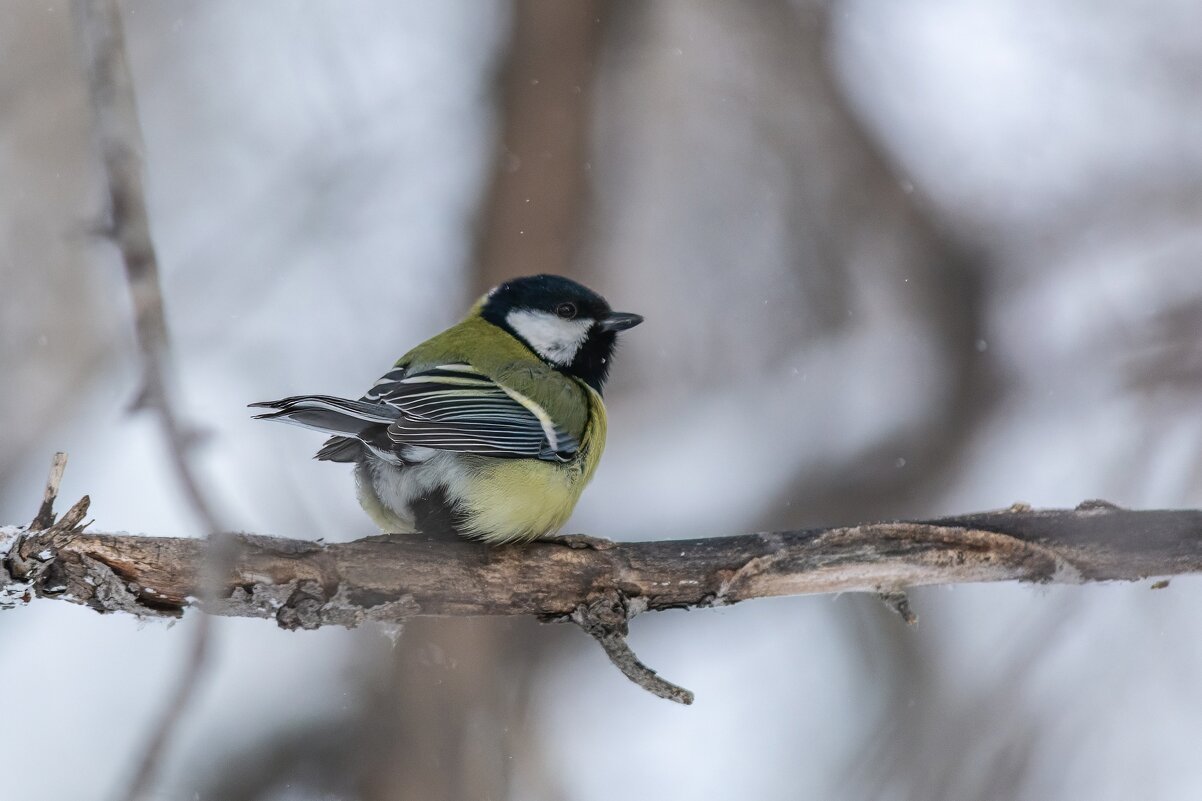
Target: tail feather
column 327, row 413
column 340, row 449
column 357, row 425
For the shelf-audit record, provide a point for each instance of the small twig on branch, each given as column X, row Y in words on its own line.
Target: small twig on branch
column 119, row 137
column 899, row 602
column 45, row 516
column 20, row 569
column 308, row 584
column 606, row 619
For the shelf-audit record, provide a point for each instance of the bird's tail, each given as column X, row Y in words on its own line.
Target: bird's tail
column 348, row 419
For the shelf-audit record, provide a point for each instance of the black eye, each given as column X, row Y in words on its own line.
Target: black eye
column 566, row 310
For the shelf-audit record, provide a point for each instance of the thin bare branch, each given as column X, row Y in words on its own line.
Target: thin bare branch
column 119, row 137
column 309, row 584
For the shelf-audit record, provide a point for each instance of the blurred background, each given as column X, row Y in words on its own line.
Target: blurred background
column 897, row 260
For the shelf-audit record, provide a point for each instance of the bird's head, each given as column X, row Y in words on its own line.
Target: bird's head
column 566, row 324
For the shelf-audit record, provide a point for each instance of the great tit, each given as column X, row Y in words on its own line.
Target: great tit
column 490, row 429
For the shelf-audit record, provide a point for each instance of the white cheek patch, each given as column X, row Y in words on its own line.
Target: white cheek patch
column 552, row 337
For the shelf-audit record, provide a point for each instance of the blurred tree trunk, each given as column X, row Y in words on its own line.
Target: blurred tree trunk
column 855, row 210
column 532, row 217
column 454, row 718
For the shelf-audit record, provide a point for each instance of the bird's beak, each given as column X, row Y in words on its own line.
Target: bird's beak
column 619, row 321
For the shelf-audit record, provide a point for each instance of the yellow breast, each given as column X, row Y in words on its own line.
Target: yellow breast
column 518, row 500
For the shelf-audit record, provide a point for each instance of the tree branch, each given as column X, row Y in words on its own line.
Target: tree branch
column 309, row 584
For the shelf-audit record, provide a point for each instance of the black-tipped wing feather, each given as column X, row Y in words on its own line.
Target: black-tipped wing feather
column 327, row 413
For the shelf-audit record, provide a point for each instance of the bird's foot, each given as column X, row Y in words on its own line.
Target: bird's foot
column 381, row 537
column 579, row 541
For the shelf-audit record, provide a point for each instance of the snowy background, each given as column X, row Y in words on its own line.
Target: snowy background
column 895, row 259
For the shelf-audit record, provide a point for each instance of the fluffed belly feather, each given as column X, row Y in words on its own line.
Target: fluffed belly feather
column 495, row 500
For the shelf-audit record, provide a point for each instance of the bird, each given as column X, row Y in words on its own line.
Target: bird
column 489, row 430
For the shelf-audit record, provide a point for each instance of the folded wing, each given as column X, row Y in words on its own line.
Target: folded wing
column 452, row 407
